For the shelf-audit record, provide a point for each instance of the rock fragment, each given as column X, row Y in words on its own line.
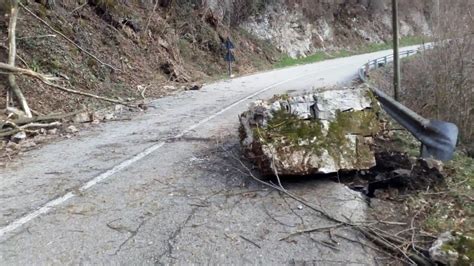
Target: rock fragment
column 452, row 248
column 19, row 136
column 322, row 132
column 71, row 129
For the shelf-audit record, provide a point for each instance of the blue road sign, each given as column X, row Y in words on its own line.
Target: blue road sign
column 228, row 44
column 229, row 57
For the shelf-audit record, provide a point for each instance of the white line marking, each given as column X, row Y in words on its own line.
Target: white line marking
column 125, row 164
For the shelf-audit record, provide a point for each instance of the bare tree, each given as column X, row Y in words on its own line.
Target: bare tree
column 11, row 59
column 438, row 83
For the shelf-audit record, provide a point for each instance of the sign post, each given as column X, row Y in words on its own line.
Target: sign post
column 229, row 57
column 396, row 55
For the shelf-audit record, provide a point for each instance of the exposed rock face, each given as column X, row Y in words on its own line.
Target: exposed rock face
column 322, row 132
column 291, row 33
column 302, row 28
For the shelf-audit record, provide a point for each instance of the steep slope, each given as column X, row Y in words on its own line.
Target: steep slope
column 148, row 44
column 300, row 28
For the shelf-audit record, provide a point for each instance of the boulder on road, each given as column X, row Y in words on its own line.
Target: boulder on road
column 322, row 132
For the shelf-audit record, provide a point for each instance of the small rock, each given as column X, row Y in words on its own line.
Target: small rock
column 12, row 145
column 28, row 144
column 19, row 136
column 82, row 118
column 118, row 108
column 143, row 106
column 72, row 129
column 52, row 131
column 15, row 113
column 109, row 116
column 434, row 164
column 439, row 252
column 96, row 116
column 300, row 207
column 194, row 87
column 169, row 88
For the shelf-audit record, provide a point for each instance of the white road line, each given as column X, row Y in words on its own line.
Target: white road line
column 125, row 164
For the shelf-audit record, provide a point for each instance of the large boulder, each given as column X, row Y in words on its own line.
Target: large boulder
column 322, row 132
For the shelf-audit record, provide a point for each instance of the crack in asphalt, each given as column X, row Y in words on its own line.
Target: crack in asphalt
column 171, row 239
column 133, row 233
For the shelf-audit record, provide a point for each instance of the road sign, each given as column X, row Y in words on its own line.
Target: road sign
column 228, row 44
column 229, row 57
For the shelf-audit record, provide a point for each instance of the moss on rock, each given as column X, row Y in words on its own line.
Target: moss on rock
column 342, row 142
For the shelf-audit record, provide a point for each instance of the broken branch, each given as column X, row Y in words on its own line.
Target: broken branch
column 46, row 79
column 311, row 230
column 44, row 118
column 17, row 128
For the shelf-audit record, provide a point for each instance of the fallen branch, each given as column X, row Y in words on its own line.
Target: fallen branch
column 44, row 118
column 18, row 129
column 79, row 7
column 37, row 37
column 377, row 236
column 41, row 125
column 59, row 87
column 9, row 133
column 250, row 241
column 149, row 17
column 67, row 39
column 311, row 230
column 413, row 258
column 47, row 79
column 17, row 56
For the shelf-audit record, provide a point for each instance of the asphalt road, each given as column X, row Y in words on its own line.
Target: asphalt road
column 167, row 188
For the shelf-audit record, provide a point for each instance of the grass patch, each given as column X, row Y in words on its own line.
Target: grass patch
column 449, row 208
column 287, row 61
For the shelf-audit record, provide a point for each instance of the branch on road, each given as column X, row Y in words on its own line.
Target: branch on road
column 384, row 240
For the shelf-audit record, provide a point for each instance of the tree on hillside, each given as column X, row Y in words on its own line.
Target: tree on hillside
column 13, row 89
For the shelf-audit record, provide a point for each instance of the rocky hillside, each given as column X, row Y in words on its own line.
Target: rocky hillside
column 302, row 27
column 140, row 46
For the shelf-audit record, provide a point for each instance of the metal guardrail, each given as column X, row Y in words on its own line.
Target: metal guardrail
column 438, row 138
column 383, row 61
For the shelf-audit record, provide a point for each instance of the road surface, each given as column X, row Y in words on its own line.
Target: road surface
column 167, row 188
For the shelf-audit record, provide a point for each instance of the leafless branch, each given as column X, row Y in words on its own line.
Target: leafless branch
column 11, row 59
column 47, row 79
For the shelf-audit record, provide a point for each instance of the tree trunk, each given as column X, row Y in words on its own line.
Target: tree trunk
column 11, row 58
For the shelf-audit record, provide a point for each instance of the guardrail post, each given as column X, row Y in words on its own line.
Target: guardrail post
column 438, row 138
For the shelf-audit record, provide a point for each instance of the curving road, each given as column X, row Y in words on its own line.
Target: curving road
column 167, row 188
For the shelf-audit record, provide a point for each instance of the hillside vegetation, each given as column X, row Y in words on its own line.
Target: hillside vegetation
column 439, row 83
column 126, row 49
